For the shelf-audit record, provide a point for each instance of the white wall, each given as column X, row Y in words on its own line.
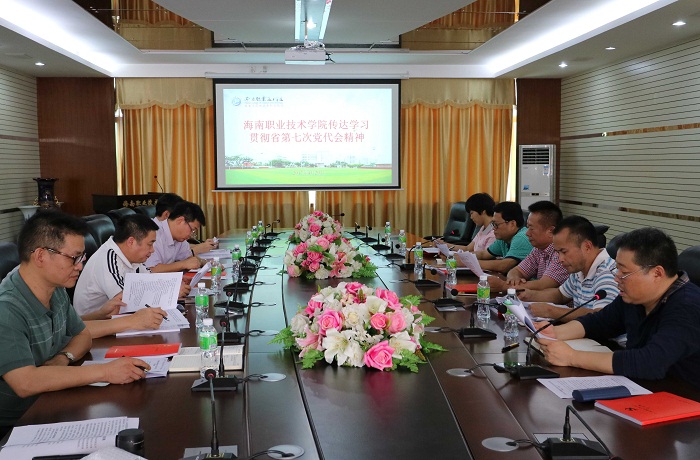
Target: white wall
column 630, row 147
column 19, row 149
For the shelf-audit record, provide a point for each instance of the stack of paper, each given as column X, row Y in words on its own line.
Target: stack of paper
column 189, row 359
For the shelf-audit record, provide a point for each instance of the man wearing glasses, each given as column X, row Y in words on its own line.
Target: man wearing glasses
column 658, row 308
column 591, row 269
column 511, row 245
column 171, row 252
column 40, row 332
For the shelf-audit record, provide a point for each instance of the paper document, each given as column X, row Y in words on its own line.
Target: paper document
column 154, row 289
column 582, row 345
column 563, row 387
column 221, row 253
column 198, row 276
column 83, row 437
column 159, row 365
column 174, row 322
column 444, row 249
column 189, row 359
column 469, row 260
column 518, row 309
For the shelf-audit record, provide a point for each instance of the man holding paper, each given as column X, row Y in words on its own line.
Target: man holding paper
column 171, row 252
column 511, row 245
column 99, row 288
column 657, row 308
column 40, row 332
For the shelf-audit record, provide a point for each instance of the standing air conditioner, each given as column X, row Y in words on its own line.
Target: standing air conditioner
column 536, row 181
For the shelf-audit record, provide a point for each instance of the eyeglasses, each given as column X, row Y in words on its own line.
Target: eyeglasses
column 193, row 231
column 79, row 259
column 621, row 277
column 496, row 225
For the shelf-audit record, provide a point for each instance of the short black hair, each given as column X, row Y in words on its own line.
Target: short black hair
column 480, row 202
column 136, row 225
column 510, row 210
column 166, row 202
column 550, row 212
column 190, row 211
column 651, row 247
column 580, row 228
column 47, row 229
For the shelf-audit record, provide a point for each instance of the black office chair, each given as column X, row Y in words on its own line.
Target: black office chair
column 116, row 214
column 689, row 262
column 100, row 227
column 600, row 230
column 149, row 211
column 459, row 228
column 9, row 258
column 90, row 245
column 612, row 245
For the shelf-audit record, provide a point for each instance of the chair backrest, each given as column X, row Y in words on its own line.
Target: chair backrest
column 101, row 228
column 689, row 262
column 612, row 245
column 116, row 214
column 459, row 227
column 600, row 229
column 9, row 258
column 90, row 245
column 149, row 211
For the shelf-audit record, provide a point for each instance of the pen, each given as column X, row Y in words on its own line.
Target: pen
column 510, row 347
column 164, row 317
column 60, row 457
column 142, row 368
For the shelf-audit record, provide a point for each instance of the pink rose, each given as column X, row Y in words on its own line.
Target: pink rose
column 397, row 322
column 379, row 356
column 323, row 243
column 379, row 321
column 330, row 319
column 293, row 270
column 312, row 256
column 312, row 306
column 299, row 249
column 310, row 220
column 353, row 288
column 318, row 213
column 314, row 266
column 390, row 297
column 314, row 228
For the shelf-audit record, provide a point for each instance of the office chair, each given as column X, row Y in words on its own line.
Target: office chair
column 9, row 258
column 100, row 227
column 459, row 228
column 116, row 214
column 612, row 245
column 689, row 262
column 146, row 210
column 600, row 229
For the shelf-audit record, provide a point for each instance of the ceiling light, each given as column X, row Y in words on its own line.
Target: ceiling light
column 563, row 64
column 305, row 28
column 39, row 64
column 678, row 23
column 610, row 48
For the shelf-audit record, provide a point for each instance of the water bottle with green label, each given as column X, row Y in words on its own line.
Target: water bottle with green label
column 402, row 242
column 208, row 347
column 483, row 296
column 451, row 264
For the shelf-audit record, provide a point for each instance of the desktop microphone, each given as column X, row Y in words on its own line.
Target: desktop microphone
column 567, row 447
column 335, row 216
column 367, row 238
column 408, row 266
column 426, row 283
column 161, row 187
column 473, row 332
column 529, row 371
column 379, row 246
column 272, row 234
column 392, row 255
column 357, row 231
column 446, row 301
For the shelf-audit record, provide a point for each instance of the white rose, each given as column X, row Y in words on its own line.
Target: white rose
column 298, row 324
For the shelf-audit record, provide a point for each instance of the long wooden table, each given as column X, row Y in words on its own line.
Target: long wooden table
column 348, row 413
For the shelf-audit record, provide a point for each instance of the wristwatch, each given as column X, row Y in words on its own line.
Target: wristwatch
column 68, row 355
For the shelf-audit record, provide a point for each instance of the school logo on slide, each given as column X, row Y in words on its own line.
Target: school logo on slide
column 236, row 101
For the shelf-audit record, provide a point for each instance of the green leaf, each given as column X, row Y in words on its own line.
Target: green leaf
column 311, row 357
column 285, row 337
column 429, row 347
column 426, row 319
column 410, row 300
column 410, row 360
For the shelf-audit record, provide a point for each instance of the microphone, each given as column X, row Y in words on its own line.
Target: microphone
column 568, row 447
column 529, row 371
column 161, row 187
column 367, row 238
column 379, row 246
column 394, row 255
column 473, row 332
column 272, row 234
column 426, row 283
column 209, row 379
column 357, row 231
column 446, row 302
column 408, row 265
column 335, row 216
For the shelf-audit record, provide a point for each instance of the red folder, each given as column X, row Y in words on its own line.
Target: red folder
column 157, row 349
column 651, row 408
column 465, row 288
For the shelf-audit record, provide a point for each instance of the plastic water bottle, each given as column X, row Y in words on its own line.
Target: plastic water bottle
column 261, row 228
column 235, row 263
column 387, row 233
column 201, row 303
column 510, row 329
column 483, row 295
column 254, row 232
column 418, row 257
column 451, row 264
column 402, row 242
column 216, row 270
column 249, row 241
column 208, row 347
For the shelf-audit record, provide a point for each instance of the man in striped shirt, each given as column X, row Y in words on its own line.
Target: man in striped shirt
column 591, row 268
column 541, row 269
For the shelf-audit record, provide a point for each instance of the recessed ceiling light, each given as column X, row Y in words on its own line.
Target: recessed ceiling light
column 39, row 64
column 610, row 48
column 679, row 23
column 563, row 64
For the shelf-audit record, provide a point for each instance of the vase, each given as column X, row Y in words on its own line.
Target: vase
column 46, row 197
column 28, row 211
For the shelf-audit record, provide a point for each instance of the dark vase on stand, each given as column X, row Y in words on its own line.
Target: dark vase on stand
column 46, row 197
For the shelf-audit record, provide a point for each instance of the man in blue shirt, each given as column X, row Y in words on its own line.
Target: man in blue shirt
column 658, row 308
column 511, row 245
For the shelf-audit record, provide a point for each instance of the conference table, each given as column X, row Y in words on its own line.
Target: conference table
column 357, row 413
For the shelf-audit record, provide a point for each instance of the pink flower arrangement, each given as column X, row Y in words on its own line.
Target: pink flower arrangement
column 359, row 326
column 316, row 224
column 327, row 256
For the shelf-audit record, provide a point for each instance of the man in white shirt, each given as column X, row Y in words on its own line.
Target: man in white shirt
column 164, row 206
column 171, row 252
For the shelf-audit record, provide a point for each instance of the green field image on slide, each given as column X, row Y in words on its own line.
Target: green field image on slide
column 326, row 176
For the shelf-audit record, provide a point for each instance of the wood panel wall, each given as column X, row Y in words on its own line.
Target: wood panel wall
column 630, row 148
column 76, row 138
column 538, row 119
column 19, row 149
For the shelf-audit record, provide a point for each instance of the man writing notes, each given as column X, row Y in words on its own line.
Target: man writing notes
column 172, row 253
column 511, row 245
column 591, row 269
column 164, row 206
column 658, row 308
column 99, row 289
column 541, row 269
column 40, row 332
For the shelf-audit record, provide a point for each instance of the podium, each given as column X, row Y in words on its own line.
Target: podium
column 103, row 203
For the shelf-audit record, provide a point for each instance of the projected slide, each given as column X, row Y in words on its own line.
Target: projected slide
column 307, row 136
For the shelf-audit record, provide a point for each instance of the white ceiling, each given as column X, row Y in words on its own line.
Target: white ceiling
column 531, row 48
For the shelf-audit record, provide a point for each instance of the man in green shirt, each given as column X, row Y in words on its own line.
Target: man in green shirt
column 511, row 245
column 40, row 332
